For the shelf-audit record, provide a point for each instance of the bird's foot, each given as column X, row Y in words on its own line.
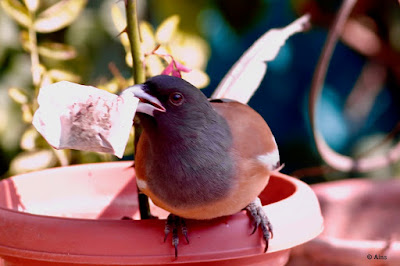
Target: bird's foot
column 172, row 225
column 260, row 220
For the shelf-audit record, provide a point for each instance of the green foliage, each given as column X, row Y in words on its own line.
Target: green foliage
column 34, row 17
column 58, row 16
column 56, row 42
column 17, row 11
column 167, row 43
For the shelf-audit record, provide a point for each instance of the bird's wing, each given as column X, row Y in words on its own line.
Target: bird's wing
column 252, row 137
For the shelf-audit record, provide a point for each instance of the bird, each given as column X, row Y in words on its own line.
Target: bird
column 199, row 158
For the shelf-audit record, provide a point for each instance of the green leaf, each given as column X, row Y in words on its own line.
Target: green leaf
column 27, row 114
column 118, row 18
column 60, row 75
column 32, row 5
column 197, row 77
column 18, row 95
column 147, row 36
column 58, row 51
column 167, row 29
column 29, row 139
column 32, row 160
column 17, row 11
column 59, row 16
column 154, row 65
column 128, row 59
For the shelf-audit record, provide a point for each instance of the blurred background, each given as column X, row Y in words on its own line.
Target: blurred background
column 358, row 108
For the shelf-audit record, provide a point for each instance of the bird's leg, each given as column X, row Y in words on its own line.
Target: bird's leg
column 173, row 223
column 260, row 220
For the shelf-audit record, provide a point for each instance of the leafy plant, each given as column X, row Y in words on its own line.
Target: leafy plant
column 166, row 50
column 36, row 17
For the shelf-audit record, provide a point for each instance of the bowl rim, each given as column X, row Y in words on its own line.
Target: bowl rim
column 302, row 194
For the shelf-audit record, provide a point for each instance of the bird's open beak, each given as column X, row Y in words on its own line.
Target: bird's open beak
column 148, row 104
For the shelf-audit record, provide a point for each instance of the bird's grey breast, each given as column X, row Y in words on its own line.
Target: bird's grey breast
column 195, row 168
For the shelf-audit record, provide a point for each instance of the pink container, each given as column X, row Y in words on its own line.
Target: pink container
column 72, row 216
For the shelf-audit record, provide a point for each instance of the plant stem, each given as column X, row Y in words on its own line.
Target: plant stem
column 139, row 77
column 134, row 39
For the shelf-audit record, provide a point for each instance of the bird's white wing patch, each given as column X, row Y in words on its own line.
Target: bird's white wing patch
column 141, row 184
column 270, row 159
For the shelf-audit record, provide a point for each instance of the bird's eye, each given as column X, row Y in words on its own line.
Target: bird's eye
column 176, row 98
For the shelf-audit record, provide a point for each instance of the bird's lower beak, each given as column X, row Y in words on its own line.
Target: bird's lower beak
column 148, row 103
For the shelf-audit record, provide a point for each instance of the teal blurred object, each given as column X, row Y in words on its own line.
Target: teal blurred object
column 282, row 98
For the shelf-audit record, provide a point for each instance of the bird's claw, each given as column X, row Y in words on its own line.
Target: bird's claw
column 174, row 222
column 260, row 220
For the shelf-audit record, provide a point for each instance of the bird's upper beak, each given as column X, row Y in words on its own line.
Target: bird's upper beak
column 148, row 103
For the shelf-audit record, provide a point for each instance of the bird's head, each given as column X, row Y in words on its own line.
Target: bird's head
column 172, row 106
column 167, row 96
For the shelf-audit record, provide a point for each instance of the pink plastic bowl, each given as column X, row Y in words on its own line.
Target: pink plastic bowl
column 72, row 215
